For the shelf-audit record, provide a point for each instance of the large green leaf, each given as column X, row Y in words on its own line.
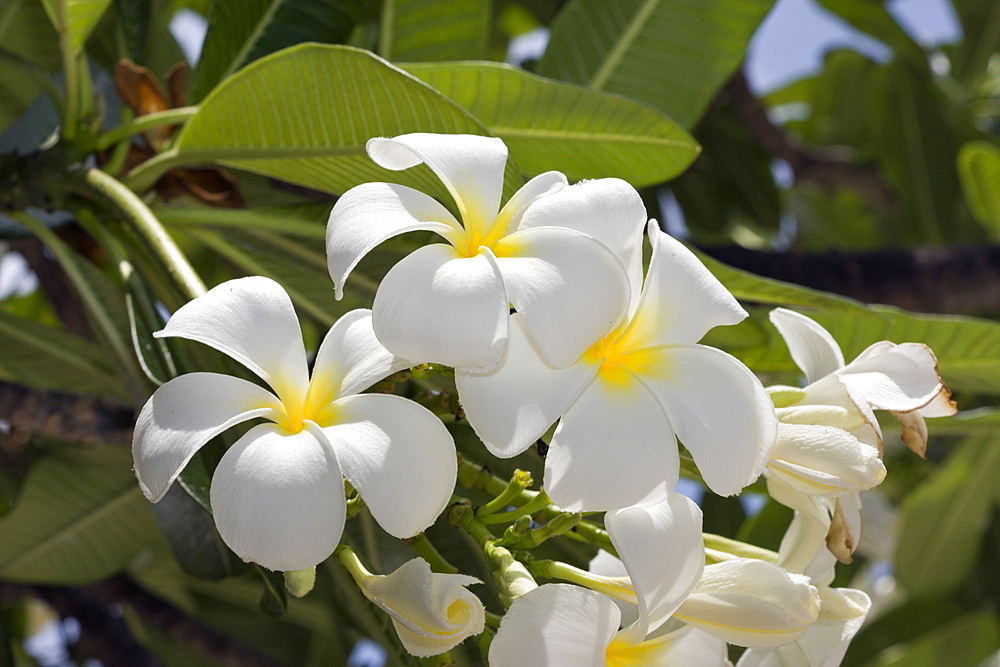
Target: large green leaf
column 241, row 32
column 874, row 18
column 36, row 355
column 82, row 17
column 303, row 115
column 943, row 519
column 80, row 517
column 25, row 33
column 434, row 30
column 917, row 150
column 549, row 125
column 966, row 640
column 671, row 54
column 981, row 28
column 979, row 171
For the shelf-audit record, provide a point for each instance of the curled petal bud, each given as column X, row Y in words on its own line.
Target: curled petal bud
column 751, row 603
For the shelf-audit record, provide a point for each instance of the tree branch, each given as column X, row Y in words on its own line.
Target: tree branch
column 83, row 419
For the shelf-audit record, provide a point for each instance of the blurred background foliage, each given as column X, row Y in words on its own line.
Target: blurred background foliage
column 873, row 180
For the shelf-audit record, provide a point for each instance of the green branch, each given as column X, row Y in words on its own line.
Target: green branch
column 143, row 123
column 146, row 225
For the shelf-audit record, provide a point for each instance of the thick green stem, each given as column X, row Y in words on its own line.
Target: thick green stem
column 616, row 587
column 143, row 123
column 135, row 211
column 71, row 110
column 424, row 548
column 149, row 172
column 519, row 481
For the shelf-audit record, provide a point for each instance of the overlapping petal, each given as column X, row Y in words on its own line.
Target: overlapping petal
column 399, row 457
column 662, row 549
column 350, row 359
column 718, row 409
column 253, row 321
column 812, row 347
column 438, row 306
column 751, row 602
column 893, row 377
column 608, row 209
column 681, row 299
column 431, row 612
column 613, row 448
column 556, row 276
column 184, row 414
column 470, row 166
column 558, row 625
column 278, row 498
column 511, row 216
column 822, row 460
column 371, row 213
column 514, row 405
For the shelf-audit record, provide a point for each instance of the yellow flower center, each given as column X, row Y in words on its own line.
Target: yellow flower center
column 618, row 362
column 623, row 655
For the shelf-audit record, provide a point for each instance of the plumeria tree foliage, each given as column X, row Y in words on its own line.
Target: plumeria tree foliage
column 389, row 313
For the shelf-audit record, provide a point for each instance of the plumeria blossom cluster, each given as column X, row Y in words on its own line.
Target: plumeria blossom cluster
column 556, row 335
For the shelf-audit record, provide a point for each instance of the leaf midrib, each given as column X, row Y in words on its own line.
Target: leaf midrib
column 596, row 136
column 618, row 51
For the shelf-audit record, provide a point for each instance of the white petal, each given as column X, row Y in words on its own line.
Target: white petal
column 687, row 646
column 514, row 405
column 470, row 166
column 662, row 548
column 570, row 289
column 613, row 448
column 368, row 214
column 832, row 390
column 681, row 300
column 900, row 378
column 826, row 642
column 821, row 460
column 751, row 602
column 278, row 498
column 812, row 347
column 399, row 457
column 608, row 209
column 717, row 407
column 941, row 406
column 350, row 359
column 185, row 413
column 431, row 612
column 539, row 187
column 253, row 321
column 437, row 306
column 559, row 625
column 606, row 565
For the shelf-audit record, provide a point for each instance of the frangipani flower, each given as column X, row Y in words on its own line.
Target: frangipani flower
column 278, row 493
column 903, row 379
column 449, row 303
column 432, row 612
column 751, row 603
column 626, row 398
column 562, row 625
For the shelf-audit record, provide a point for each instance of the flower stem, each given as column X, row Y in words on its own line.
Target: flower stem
column 71, row 109
column 143, row 123
column 148, row 228
column 519, row 481
column 424, row 548
column 737, row 548
column 616, row 587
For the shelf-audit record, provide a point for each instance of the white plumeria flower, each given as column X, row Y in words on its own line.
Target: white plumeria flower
column 562, row 625
column 843, row 610
column 278, row 493
column 626, row 398
column 902, row 379
column 449, row 303
column 742, row 601
column 432, row 612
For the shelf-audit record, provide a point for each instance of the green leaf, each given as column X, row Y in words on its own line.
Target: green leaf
column 242, row 32
column 873, row 18
column 966, row 640
column 25, row 32
column 80, row 517
column 671, row 54
column 549, row 125
column 943, row 519
column 917, row 151
column 979, row 172
column 83, row 16
column 980, row 21
column 433, row 30
column 36, row 355
column 303, row 115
